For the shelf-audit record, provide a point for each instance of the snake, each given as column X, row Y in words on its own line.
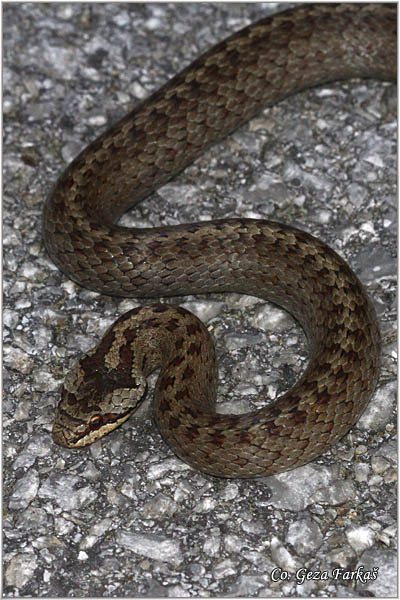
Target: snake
column 255, row 68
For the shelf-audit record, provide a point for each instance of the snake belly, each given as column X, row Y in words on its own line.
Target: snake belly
column 254, row 68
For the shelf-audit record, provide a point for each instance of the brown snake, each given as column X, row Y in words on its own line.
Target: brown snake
column 254, row 68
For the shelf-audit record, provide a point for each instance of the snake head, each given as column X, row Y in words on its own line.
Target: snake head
column 93, row 404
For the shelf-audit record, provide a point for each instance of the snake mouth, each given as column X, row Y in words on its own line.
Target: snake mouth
column 59, row 436
column 63, row 436
column 67, row 430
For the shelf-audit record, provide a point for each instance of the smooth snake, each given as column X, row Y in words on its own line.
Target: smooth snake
column 254, row 68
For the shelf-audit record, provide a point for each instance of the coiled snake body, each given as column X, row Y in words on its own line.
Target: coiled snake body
column 258, row 66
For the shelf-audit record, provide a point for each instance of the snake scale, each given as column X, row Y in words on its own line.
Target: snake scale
column 256, row 67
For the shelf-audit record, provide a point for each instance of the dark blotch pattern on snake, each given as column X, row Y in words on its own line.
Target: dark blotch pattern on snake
column 254, row 68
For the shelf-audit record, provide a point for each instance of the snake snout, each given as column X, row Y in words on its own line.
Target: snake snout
column 95, row 407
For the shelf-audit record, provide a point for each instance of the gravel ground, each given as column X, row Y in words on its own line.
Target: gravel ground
column 124, row 517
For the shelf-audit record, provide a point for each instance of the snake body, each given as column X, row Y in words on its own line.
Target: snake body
column 254, row 68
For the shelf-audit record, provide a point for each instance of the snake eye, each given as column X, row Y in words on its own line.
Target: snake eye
column 95, row 421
